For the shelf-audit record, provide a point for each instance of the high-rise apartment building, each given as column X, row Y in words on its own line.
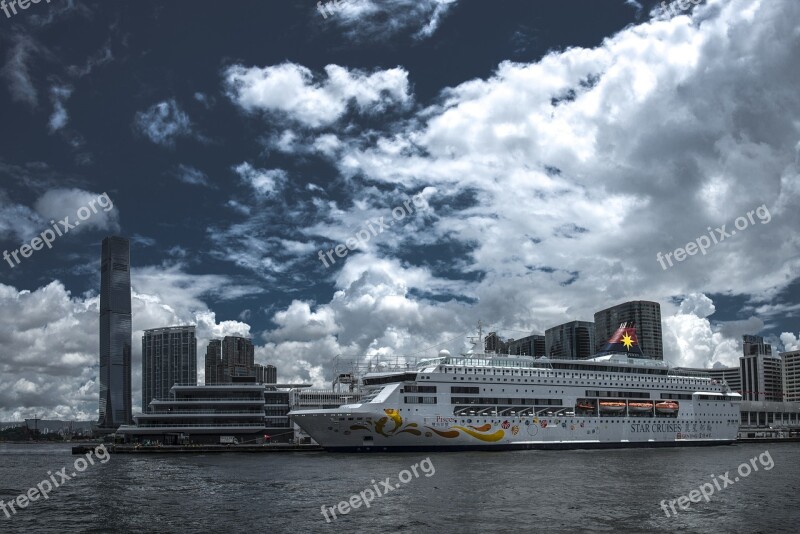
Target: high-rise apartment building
column 230, row 357
column 115, row 334
column 169, row 357
column 573, row 341
column 761, row 371
column 266, row 374
column 213, row 362
column 790, row 362
column 644, row 314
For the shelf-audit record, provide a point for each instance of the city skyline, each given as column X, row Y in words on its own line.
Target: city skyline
column 526, row 179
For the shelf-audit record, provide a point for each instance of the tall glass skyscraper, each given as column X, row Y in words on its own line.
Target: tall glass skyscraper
column 115, row 333
column 169, row 357
column 571, row 341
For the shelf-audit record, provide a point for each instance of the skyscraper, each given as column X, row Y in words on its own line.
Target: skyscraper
column 644, row 314
column 573, row 340
column 115, row 334
column 169, row 357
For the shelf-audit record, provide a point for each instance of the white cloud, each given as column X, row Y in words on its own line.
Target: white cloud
column 364, row 20
column 56, row 204
column 49, row 361
column 790, row 341
column 263, row 181
column 291, row 89
column 163, row 122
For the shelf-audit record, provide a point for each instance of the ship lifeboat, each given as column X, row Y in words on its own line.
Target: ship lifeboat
column 612, row 406
column 640, row 406
column 667, row 407
column 585, row 406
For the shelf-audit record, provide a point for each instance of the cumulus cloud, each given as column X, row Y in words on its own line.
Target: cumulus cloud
column 790, row 341
column 163, row 122
column 558, row 181
column 49, row 358
column 291, row 90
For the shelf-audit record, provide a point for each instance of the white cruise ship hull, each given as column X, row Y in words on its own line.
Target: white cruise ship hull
column 488, row 403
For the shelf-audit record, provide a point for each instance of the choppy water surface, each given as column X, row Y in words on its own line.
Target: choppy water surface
column 531, row 491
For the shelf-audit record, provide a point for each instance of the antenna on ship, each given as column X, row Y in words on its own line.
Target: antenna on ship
column 477, row 341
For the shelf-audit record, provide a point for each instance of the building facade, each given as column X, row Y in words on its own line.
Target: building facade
column 213, row 362
column 209, row 415
column 730, row 375
column 229, row 357
column 760, row 371
column 790, row 362
column 573, row 341
column 266, row 374
column 533, row 345
column 169, row 357
column 115, row 334
column 644, row 314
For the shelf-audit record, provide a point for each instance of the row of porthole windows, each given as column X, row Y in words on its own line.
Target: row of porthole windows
column 618, row 384
column 470, row 370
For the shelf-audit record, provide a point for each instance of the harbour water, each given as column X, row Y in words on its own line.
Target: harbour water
column 525, row 491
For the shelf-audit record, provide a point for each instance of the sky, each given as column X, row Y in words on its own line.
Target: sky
column 371, row 179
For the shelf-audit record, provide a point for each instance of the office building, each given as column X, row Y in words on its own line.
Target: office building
column 214, row 362
column 573, row 340
column 230, row 357
column 760, row 371
column 644, row 314
column 790, row 362
column 754, row 345
column 115, row 334
column 169, row 357
column 533, row 345
column 266, row 374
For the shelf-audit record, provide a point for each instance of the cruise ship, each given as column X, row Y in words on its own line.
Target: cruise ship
column 618, row 398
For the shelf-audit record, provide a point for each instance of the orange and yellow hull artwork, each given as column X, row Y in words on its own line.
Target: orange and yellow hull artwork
column 392, row 425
